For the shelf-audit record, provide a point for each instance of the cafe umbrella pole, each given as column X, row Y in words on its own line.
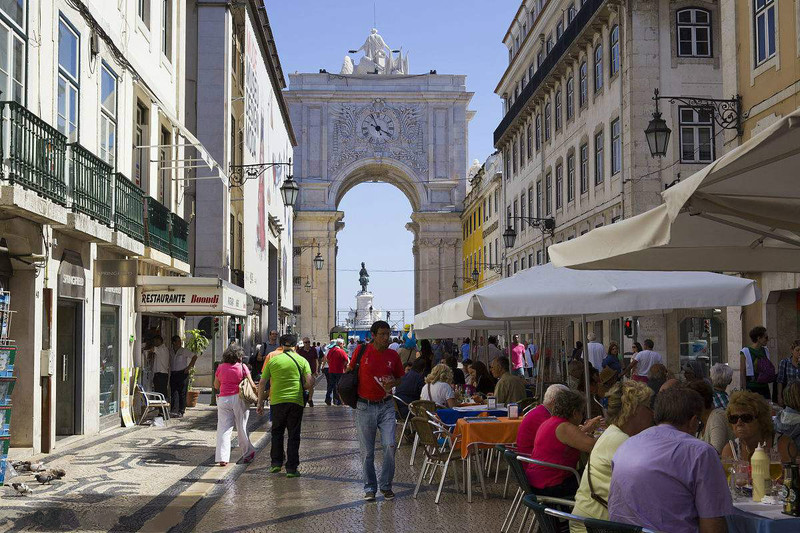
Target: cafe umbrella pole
column 586, row 376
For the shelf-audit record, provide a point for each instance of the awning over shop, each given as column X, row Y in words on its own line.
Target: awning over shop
column 741, row 213
column 196, row 296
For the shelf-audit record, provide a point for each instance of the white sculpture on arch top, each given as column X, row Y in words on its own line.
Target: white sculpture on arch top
column 378, row 58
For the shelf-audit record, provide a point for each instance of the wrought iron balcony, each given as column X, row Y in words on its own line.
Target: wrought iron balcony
column 129, row 208
column 570, row 35
column 36, row 152
column 157, row 224
column 179, row 238
column 90, row 182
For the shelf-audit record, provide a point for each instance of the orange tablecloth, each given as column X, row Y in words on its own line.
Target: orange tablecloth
column 504, row 431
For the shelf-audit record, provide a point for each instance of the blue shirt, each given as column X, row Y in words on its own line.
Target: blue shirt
column 612, row 361
column 410, row 342
column 464, row 352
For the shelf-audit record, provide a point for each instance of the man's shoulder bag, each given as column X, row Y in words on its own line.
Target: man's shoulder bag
column 301, row 373
column 348, row 383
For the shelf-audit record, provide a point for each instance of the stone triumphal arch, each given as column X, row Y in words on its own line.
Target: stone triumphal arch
column 376, row 122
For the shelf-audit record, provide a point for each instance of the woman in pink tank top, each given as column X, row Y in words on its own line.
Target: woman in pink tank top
column 560, row 441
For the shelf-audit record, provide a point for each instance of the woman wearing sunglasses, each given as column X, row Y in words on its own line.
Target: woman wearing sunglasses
column 750, row 416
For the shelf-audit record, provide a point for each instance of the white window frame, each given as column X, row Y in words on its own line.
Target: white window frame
column 616, row 146
column 143, row 12
column 583, row 83
column 583, row 150
column 694, row 128
column 14, row 72
column 598, row 67
column 599, row 158
column 570, row 97
column 761, row 11
column 71, row 87
column 570, row 177
column 166, row 29
column 693, row 26
column 559, row 186
column 614, row 63
column 108, row 119
column 558, row 114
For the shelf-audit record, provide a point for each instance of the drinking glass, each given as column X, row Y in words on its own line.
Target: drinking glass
column 775, row 470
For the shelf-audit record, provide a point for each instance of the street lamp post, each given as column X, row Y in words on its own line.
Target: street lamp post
column 726, row 113
column 547, row 225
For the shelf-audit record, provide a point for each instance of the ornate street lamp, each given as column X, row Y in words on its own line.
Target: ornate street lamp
column 289, row 191
column 308, row 286
column 727, row 114
column 318, row 261
column 509, row 236
column 455, row 287
column 475, row 275
column 657, row 133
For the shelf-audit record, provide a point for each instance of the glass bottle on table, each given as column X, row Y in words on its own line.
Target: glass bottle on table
column 775, row 469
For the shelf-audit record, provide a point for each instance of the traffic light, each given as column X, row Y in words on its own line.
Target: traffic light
column 216, row 325
column 706, row 327
column 628, row 327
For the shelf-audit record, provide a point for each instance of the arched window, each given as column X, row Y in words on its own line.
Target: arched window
column 694, row 32
column 583, row 82
column 615, row 64
column 547, row 115
column 598, row 67
column 570, row 97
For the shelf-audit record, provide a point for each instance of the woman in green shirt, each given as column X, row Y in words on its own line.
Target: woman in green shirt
column 629, row 413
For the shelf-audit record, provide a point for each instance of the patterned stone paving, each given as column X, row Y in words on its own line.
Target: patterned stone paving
column 125, row 481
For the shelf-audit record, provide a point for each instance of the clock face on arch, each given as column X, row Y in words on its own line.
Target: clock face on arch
column 378, row 126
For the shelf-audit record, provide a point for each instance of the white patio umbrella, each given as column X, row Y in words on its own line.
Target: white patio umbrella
column 740, row 213
column 551, row 291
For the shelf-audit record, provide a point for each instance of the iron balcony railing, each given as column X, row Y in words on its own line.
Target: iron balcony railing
column 157, row 226
column 581, row 20
column 179, row 238
column 90, row 182
column 35, row 152
column 128, row 208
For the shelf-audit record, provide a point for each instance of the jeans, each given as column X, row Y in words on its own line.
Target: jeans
column 231, row 411
column 178, row 383
column 286, row 416
column 333, row 381
column 371, row 417
column 518, row 372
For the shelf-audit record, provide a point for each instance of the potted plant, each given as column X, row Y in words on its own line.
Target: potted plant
column 195, row 342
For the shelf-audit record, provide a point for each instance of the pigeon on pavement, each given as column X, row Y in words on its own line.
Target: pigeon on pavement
column 21, row 488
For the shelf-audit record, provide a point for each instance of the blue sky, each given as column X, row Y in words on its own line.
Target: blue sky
column 450, row 36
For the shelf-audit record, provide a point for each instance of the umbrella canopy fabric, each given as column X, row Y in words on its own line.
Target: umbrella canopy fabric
column 740, row 213
column 551, row 291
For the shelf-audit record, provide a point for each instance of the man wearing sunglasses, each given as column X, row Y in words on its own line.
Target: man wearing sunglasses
column 664, row 478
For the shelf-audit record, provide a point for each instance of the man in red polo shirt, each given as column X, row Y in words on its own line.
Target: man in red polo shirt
column 337, row 362
column 380, row 369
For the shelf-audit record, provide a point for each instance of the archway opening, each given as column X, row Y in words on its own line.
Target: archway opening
column 374, row 233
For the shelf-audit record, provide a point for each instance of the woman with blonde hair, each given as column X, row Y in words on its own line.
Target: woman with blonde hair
column 628, row 413
column 751, row 418
column 438, row 386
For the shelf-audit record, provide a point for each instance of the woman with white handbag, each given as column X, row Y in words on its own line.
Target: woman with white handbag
column 235, row 386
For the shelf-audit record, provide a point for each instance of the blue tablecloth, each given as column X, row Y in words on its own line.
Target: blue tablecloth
column 768, row 520
column 450, row 416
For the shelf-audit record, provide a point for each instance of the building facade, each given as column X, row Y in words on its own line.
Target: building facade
column 92, row 199
column 761, row 63
column 480, row 226
column 578, row 95
column 234, row 89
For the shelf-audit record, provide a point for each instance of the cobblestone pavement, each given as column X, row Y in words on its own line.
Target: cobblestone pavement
column 160, row 479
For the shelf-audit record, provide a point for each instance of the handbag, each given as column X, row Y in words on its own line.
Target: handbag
column 247, row 393
column 348, row 383
column 302, row 383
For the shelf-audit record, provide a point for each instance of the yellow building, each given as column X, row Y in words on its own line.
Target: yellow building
column 761, row 63
column 480, row 226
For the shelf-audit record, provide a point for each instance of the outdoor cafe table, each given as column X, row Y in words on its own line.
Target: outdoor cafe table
column 451, row 415
column 483, row 434
column 754, row 517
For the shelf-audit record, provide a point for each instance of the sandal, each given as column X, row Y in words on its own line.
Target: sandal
column 223, row 463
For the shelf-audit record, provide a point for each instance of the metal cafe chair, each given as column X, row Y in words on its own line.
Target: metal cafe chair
column 435, row 456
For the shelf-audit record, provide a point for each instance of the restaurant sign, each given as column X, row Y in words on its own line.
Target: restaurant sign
column 194, row 300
